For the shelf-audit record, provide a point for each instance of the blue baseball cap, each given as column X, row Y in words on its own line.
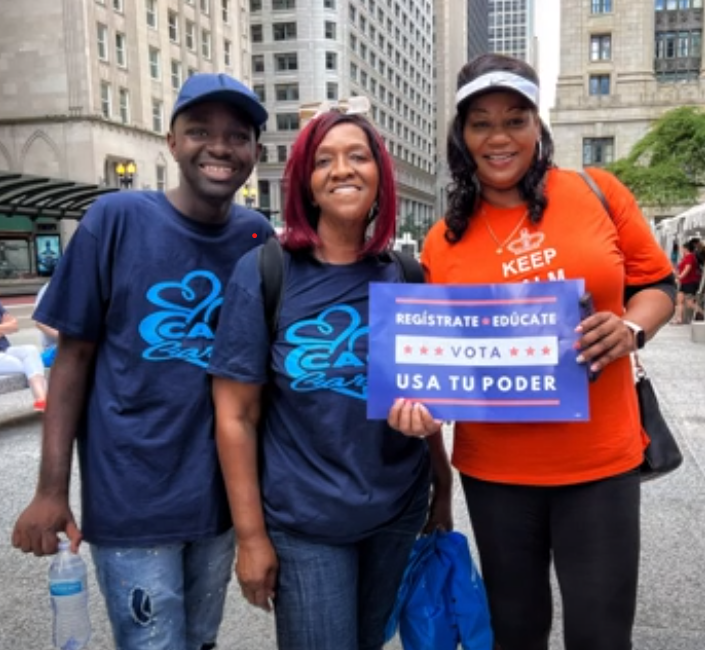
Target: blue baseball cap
column 207, row 87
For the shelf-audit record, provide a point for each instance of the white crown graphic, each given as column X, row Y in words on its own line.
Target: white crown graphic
column 526, row 242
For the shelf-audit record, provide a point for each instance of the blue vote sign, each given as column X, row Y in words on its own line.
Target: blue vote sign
column 494, row 353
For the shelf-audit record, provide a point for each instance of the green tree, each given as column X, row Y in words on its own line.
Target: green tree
column 667, row 166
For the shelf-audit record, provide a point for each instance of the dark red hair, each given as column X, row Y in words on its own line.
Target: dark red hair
column 301, row 215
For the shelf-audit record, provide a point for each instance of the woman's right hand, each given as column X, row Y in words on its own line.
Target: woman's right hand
column 256, row 569
column 412, row 419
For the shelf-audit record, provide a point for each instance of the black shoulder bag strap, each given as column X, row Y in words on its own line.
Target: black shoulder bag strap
column 411, row 270
column 270, row 262
column 597, row 191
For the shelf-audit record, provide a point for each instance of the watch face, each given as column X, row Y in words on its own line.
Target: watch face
column 640, row 337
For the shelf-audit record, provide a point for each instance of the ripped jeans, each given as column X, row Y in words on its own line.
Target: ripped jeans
column 167, row 597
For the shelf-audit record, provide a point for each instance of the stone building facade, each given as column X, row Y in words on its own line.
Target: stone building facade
column 623, row 64
column 87, row 85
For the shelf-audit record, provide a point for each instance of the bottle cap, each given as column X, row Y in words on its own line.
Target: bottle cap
column 64, row 545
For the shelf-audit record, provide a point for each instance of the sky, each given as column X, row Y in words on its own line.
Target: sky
column 547, row 27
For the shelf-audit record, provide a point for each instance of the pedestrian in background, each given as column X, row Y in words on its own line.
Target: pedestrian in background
column 136, row 300
column 689, row 276
column 555, row 492
column 22, row 359
column 327, row 504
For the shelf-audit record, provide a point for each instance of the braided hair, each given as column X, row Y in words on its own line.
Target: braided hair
column 464, row 191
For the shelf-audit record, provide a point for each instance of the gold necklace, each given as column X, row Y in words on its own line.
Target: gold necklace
column 501, row 245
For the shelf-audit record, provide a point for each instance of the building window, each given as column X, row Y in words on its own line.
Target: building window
column 225, row 7
column 286, row 62
column 287, row 121
column 176, row 74
column 227, row 52
column 287, row 92
column 117, row 5
column 206, row 44
column 284, row 31
column 157, row 116
column 155, row 65
column 255, row 5
column 192, row 71
column 598, row 152
column 151, row 7
column 599, row 84
column 106, row 100
column 160, row 176
column 264, row 154
column 330, row 31
column 173, row 20
column 329, row 4
column 103, row 42
column 331, row 90
column 124, row 98
column 601, row 6
column 283, row 4
column 120, row 50
column 191, row 35
column 260, row 91
column 331, row 61
column 205, row 6
column 258, row 63
column 601, row 47
column 281, row 153
column 256, row 33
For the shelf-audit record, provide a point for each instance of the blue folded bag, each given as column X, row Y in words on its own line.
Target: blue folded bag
column 441, row 602
column 48, row 356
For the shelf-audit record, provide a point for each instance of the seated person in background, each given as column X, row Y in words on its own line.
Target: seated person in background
column 50, row 336
column 22, row 359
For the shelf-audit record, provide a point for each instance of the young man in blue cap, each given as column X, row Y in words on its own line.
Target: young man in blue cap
column 145, row 274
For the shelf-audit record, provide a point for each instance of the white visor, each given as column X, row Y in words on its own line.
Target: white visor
column 499, row 80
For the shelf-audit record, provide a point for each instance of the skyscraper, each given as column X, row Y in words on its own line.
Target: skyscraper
column 511, row 29
column 307, row 51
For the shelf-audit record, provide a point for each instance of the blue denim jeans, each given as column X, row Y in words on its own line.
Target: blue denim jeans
column 339, row 597
column 167, row 597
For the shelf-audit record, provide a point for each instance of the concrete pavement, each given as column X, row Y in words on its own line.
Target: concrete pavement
column 672, row 590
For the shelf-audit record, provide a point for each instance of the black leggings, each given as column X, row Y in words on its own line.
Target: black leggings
column 592, row 532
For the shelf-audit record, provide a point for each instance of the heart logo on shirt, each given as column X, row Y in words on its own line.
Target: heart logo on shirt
column 325, row 355
column 184, row 328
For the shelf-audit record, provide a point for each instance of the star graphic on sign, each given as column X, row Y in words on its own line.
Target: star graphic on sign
column 530, row 352
column 546, row 351
column 423, row 350
column 514, row 352
column 485, row 321
column 439, row 352
column 408, row 349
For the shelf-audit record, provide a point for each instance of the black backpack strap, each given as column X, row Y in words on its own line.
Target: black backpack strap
column 592, row 184
column 270, row 262
column 411, row 270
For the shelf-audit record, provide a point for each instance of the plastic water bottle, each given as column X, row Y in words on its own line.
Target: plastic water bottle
column 69, row 599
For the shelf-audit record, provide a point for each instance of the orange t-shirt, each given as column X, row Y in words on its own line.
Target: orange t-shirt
column 575, row 239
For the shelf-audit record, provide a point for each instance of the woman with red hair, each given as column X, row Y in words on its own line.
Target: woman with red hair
column 326, row 504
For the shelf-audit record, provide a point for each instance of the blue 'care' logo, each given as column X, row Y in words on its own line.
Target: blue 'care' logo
column 325, row 353
column 184, row 328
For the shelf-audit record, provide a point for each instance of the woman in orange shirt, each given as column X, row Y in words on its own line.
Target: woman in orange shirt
column 540, row 491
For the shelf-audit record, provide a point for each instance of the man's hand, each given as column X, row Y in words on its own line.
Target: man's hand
column 36, row 530
column 256, row 569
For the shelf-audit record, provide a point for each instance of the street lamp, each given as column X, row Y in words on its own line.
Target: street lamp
column 126, row 173
column 250, row 195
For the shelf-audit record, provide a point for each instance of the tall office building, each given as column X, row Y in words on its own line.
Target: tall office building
column 306, row 51
column 88, row 85
column 477, row 27
column 511, row 29
column 623, row 64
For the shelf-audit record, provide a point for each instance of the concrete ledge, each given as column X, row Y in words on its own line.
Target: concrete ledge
column 12, row 383
column 697, row 331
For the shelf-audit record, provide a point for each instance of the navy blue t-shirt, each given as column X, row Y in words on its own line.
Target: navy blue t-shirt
column 327, row 472
column 4, row 342
column 146, row 284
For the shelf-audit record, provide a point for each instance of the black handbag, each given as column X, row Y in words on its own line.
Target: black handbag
column 662, row 456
